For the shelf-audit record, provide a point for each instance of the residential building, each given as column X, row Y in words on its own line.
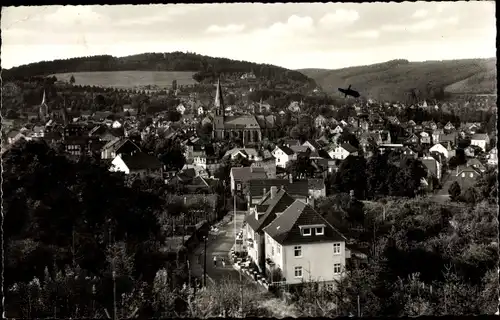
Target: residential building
column 118, row 146
column 481, row 140
column 317, row 188
column 241, row 176
column 137, row 163
column 283, row 155
column 274, row 202
column 257, row 188
column 492, row 157
column 304, row 246
column 320, row 121
column 425, row 138
column 342, row 151
column 439, row 147
column 467, row 176
column 476, row 164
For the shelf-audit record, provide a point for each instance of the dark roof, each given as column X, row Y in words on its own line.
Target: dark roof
column 141, row 160
column 431, row 165
column 348, row 147
column 285, row 228
column 286, row 150
column 314, row 144
column 296, row 188
column 270, row 206
column 247, row 173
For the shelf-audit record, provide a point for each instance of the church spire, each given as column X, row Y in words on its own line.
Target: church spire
column 219, row 102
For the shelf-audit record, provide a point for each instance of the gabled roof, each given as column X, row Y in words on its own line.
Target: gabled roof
column 479, row 136
column 247, row 173
column 285, row 228
column 299, row 149
column 270, row 206
column 140, row 161
column 286, row 150
column 313, row 143
column 298, row 188
column 467, row 169
column 348, row 147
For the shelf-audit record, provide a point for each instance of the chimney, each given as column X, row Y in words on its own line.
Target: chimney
column 290, row 178
column 274, row 190
column 311, row 201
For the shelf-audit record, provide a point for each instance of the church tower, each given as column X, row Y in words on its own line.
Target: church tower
column 219, row 109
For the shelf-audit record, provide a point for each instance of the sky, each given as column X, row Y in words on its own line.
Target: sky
column 291, row 35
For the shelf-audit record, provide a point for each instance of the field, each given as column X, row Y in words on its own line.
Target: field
column 129, row 79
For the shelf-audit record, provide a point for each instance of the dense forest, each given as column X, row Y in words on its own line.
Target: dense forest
column 401, row 80
column 205, row 66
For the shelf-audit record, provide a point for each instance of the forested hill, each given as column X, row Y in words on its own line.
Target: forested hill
column 396, row 79
column 174, row 61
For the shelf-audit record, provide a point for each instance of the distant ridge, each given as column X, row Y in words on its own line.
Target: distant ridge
column 172, row 61
column 393, row 80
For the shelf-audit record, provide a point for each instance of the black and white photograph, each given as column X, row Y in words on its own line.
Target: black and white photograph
column 241, row 160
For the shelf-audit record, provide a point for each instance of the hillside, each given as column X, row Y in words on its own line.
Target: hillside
column 204, row 66
column 393, row 80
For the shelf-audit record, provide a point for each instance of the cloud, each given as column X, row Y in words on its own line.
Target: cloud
column 230, row 28
column 340, row 16
column 294, row 25
column 75, row 15
column 366, row 34
column 421, row 13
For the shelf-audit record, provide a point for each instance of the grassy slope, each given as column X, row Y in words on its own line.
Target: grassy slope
column 393, row 79
column 129, row 79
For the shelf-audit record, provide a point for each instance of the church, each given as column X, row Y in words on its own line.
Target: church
column 250, row 129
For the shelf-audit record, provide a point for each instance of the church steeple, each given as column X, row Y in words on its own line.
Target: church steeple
column 44, row 108
column 219, row 101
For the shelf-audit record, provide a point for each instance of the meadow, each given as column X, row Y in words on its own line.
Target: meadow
column 129, row 79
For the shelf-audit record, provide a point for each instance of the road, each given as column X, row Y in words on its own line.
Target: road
column 219, row 246
column 442, row 195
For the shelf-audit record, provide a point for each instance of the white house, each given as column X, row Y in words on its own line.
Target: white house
column 201, row 111
column 116, row 124
column 493, row 157
column 181, row 108
column 304, row 246
column 438, row 147
column 283, row 155
column 338, row 129
column 481, row 140
column 342, row 151
column 251, row 154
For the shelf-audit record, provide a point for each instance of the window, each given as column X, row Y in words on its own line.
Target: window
column 239, row 186
column 306, row 231
column 319, row 231
column 255, row 236
column 297, row 251
column 298, row 272
column 336, row 248
column 471, row 175
column 336, row 268
column 279, row 249
column 463, row 175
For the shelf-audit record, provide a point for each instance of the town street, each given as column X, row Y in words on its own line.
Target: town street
column 442, row 195
column 219, row 246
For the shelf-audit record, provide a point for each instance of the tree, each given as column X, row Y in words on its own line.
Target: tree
column 174, row 116
column 72, row 79
column 472, row 195
column 174, row 85
column 454, row 191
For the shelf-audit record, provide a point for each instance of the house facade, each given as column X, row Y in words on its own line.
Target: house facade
column 283, row 155
column 304, row 246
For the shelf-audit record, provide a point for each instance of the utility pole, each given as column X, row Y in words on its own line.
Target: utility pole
column 205, row 265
